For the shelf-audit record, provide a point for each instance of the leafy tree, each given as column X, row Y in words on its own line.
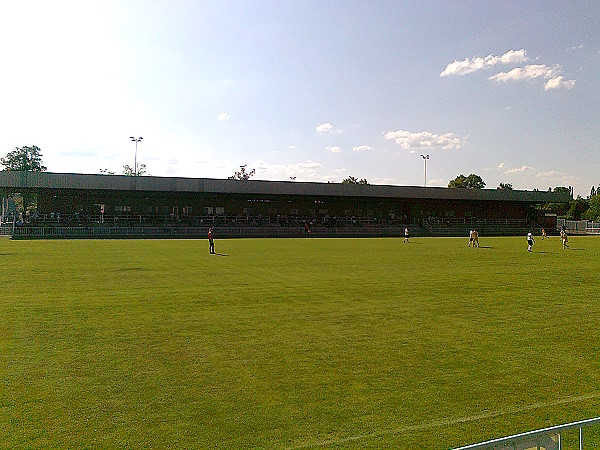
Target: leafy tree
column 577, row 208
column 129, row 171
column 354, row 180
column 562, row 189
column 593, row 191
column 560, row 209
column 26, row 159
column 459, row 182
column 593, row 212
column 567, row 209
column 475, row 182
column 505, row 187
column 242, row 174
column 471, row 182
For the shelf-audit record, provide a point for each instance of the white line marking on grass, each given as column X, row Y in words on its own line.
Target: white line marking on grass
column 447, row 422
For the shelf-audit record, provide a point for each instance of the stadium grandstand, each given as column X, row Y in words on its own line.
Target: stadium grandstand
column 45, row 204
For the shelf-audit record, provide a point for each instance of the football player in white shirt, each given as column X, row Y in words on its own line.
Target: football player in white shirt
column 530, row 241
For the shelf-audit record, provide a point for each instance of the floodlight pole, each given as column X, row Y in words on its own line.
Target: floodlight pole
column 135, row 172
column 425, row 158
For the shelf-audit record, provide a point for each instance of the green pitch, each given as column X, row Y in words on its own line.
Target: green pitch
column 305, row 343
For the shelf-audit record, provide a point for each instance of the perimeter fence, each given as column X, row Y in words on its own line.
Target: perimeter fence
column 147, row 232
column 578, row 226
column 429, row 228
column 543, row 439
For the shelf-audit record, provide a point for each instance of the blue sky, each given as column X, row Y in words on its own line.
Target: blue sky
column 314, row 91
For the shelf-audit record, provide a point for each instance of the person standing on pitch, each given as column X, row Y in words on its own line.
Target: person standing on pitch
column 475, row 238
column 565, row 240
column 530, row 241
column 211, row 242
column 406, row 235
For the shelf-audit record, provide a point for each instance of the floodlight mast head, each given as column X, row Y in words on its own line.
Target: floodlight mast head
column 425, row 158
column 135, row 161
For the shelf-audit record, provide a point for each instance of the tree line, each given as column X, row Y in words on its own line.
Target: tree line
column 29, row 159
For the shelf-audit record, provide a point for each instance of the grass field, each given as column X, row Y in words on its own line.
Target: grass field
column 293, row 344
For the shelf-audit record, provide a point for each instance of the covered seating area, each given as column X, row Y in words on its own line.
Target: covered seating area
column 44, row 204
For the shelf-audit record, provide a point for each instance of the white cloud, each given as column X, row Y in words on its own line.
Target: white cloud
column 557, row 177
column 474, row 64
column 223, row 117
column 381, row 180
column 514, row 57
column 518, row 169
column 424, row 139
column 437, row 182
column 507, row 170
column 549, row 175
column 324, row 127
column 361, row 148
column 334, row 149
column 301, row 171
column 558, row 82
column 528, row 72
column 532, row 71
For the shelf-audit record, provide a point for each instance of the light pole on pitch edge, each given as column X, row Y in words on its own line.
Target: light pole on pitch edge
column 425, row 158
column 136, row 140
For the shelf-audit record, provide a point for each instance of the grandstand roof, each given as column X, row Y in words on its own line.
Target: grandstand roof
column 13, row 180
